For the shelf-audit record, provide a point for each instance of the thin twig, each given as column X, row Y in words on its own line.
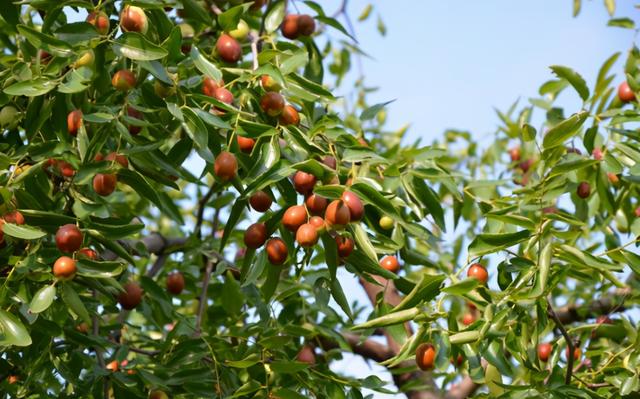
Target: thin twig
column 157, row 265
column 254, row 50
column 202, row 203
column 95, row 325
column 565, row 334
column 203, row 296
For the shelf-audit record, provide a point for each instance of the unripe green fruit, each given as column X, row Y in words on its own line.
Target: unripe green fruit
column 386, row 223
column 9, row 117
column 85, row 60
column 241, row 31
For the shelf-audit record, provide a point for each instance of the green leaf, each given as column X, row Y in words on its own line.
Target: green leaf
column 236, row 211
column 576, row 7
column 197, row 131
column 137, row 182
column 341, row 299
column 365, row 13
column 31, row 88
column 544, row 266
column 12, row 331
column 558, row 134
column 204, row 65
column 427, row 288
column 193, row 9
column 489, row 243
column 372, row 111
column 23, row 232
column 372, row 196
column 528, row 132
column 42, row 299
column 135, row 46
column 111, row 245
column 464, row 337
column 93, row 269
column 247, row 362
column 42, row 41
column 274, row 17
column 626, row 23
column 73, row 301
column 229, row 19
column 389, row 319
column 461, row 287
column 430, row 200
column 573, row 78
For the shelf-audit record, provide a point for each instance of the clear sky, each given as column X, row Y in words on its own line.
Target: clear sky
column 449, row 63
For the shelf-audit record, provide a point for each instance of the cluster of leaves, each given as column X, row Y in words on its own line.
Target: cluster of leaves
column 238, row 326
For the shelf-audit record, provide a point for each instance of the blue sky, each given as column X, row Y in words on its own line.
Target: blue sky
column 448, row 64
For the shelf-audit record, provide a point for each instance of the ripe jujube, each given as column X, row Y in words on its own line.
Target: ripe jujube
column 345, row 245
column 228, row 49
column 272, row 103
column 225, row 166
column 304, row 182
column 468, row 319
column 133, row 19
column 68, row 238
column 478, row 272
column 88, row 253
column 584, row 190
column 246, row 144
column 134, row 114
column 316, row 204
column 74, row 121
column 260, row 201
column 544, row 351
column 14, row 217
column 577, row 353
column 277, row 251
column 307, row 235
column 514, row 153
column 318, row 223
column 289, row 27
column 353, row 202
column 209, row 86
column 294, row 217
column 625, row 94
column 425, row 356
column 255, row 235
column 337, row 215
column 390, row 263
column 306, row 355
column 131, row 296
column 104, row 184
column 100, row 20
column 269, row 84
column 306, row 25
column 289, row 116
column 123, row 80
column 64, row 268
column 175, row 283
column 120, row 159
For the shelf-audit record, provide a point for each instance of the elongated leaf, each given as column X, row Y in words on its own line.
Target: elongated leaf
column 204, row 65
column 341, row 299
column 558, row 134
column 12, row 331
column 135, row 46
column 42, row 299
column 42, row 41
column 23, row 232
column 31, row 88
column 573, row 78
column 93, row 269
column 274, row 17
column 389, row 319
column 73, row 301
column 430, row 200
column 461, row 287
column 372, row 111
column 373, row 197
column 427, row 289
column 489, row 243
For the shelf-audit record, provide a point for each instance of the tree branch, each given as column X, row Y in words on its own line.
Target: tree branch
column 565, row 334
column 203, row 297
column 367, row 348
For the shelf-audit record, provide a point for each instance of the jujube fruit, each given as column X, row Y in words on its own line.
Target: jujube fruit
column 330, row 162
column 318, row 223
column 120, row 159
column 209, row 86
column 625, row 94
column 514, row 153
column 306, row 25
column 294, row 217
column 158, row 395
column 246, row 144
column 175, row 283
column 468, row 319
column 255, row 235
column 584, row 190
column 123, row 80
column 304, row 182
column 64, row 268
column 390, row 263
column 131, row 296
column 269, row 84
column 100, row 20
column 425, row 356
column 277, row 251
column 352, row 201
column 74, row 121
column 88, row 253
column 306, row 355
column 272, row 103
column 386, row 223
column 133, row 19
column 478, row 272
column 337, row 215
column 14, row 217
column 307, row 235
column 260, row 201
column 68, row 238
column 316, row 204
column 225, row 166
column 544, row 351
column 134, row 114
column 228, row 49
column 104, row 184
column 289, row 116
column 345, row 246
column 576, row 353
column 289, row 27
